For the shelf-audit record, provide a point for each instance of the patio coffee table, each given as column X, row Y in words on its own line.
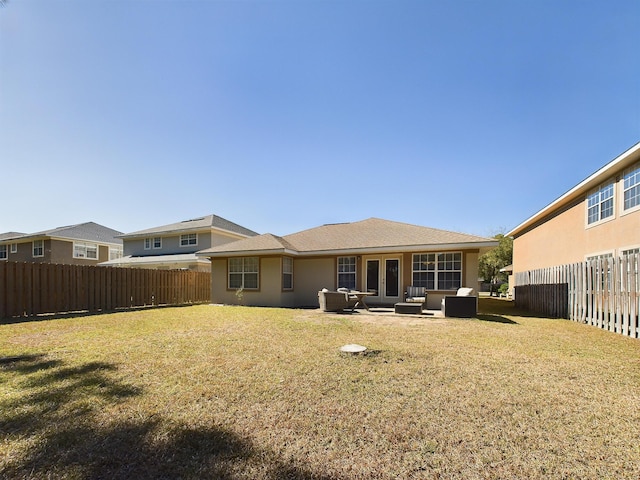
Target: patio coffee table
column 408, row 307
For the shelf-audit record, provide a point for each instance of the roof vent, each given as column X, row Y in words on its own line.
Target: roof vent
column 193, row 220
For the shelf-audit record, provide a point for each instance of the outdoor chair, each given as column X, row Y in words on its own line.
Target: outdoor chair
column 416, row 295
column 336, row 301
column 463, row 304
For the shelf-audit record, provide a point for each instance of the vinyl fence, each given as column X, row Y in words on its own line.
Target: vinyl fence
column 28, row 289
column 604, row 292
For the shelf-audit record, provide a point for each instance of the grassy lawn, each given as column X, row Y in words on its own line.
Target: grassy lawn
column 256, row 393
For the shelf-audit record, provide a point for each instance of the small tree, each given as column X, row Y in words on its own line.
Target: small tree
column 490, row 263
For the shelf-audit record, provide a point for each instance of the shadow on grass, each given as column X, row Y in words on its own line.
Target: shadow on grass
column 56, row 414
column 495, row 319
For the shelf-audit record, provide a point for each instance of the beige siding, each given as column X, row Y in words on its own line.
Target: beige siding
column 565, row 238
column 310, row 275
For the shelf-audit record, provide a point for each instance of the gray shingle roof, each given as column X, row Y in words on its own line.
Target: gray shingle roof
column 89, row 231
column 201, row 223
column 371, row 234
column 10, row 235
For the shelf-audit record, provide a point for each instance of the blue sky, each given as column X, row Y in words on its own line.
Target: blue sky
column 285, row 115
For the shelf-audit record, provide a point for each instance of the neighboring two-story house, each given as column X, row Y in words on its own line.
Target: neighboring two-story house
column 599, row 217
column 82, row 244
column 173, row 246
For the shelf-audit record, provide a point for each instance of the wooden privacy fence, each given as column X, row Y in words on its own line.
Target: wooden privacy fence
column 28, row 289
column 603, row 292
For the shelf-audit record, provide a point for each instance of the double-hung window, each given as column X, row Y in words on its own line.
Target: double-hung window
column 14, row 248
column 188, row 239
column 287, row 273
column 437, row 271
column 347, row 272
column 631, row 188
column 38, row 248
column 85, row 250
column 600, row 204
column 3, row 252
column 115, row 253
column 147, row 244
column 244, row 273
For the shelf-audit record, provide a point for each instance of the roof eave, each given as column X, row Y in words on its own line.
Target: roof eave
column 351, row 251
column 622, row 161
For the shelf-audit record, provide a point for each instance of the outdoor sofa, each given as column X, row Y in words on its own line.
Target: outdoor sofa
column 331, row 301
column 463, row 304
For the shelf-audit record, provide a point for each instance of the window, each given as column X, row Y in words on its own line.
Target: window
column 157, row 242
column 115, row 253
column 188, row 239
column 437, row 271
column 347, row 272
column 3, row 252
column 287, row 273
column 14, row 248
column 597, row 264
column 600, row 204
column 243, row 272
column 631, row 188
column 85, row 250
column 147, row 244
column 38, row 248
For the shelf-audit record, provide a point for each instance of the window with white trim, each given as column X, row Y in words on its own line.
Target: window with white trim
column 600, row 204
column 287, row 273
column 437, row 271
column 85, row 250
column 631, row 188
column 347, row 272
column 147, row 244
column 157, row 242
column 38, row 248
column 115, row 253
column 188, row 239
column 244, row 273
column 14, row 248
column 3, row 252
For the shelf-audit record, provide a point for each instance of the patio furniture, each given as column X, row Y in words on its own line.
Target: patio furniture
column 336, row 301
column 463, row 304
column 416, row 294
column 408, row 307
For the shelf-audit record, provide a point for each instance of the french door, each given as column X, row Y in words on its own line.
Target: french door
column 383, row 277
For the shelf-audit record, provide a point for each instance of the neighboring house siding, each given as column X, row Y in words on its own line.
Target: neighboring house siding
column 171, row 244
column 566, row 238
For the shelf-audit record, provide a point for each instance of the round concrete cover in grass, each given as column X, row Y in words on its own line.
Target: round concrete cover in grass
column 352, row 348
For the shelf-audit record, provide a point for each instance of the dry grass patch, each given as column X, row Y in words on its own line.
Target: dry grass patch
column 233, row 392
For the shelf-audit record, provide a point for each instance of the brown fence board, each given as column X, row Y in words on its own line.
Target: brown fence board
column 28, row 289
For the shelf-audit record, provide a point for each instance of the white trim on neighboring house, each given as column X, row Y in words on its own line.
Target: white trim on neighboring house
column 602, row 254
column 4, row 252
column 84, row 250
column 14, row 248
column 623, row 160
column 188, row 237
column 157, row 240
column 146, row 243
column 601, row 200
column 40, row 247
column 633, row 174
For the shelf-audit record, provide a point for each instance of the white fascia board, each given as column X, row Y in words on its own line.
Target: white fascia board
column 249, row 253
column 624, row 160
column 403, row 249
column 354, row 251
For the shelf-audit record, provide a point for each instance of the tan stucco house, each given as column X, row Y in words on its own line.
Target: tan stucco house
column 598, row 217
column 374, row 255
column 86, row 243
column 173, row 246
